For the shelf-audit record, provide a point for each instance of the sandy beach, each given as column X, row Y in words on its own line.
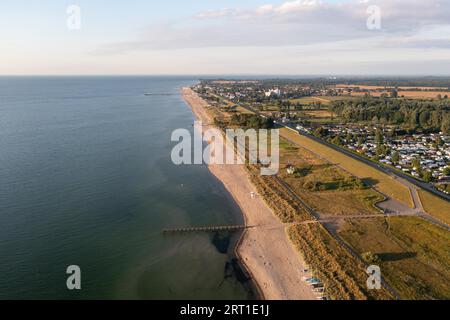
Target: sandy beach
column 265, row 249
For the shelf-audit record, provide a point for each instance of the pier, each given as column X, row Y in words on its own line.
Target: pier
column 204, row 229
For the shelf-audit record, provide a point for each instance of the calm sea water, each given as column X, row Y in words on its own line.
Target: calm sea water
column 86, row 179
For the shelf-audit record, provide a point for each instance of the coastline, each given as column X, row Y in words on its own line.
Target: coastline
column 264, row 250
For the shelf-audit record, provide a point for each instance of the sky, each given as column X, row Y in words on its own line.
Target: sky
column 205, row 37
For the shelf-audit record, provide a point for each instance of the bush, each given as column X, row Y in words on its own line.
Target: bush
column 370, row 257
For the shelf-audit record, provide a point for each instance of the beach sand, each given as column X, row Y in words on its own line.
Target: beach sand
column 265, row 249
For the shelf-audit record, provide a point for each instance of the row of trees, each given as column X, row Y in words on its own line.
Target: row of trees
column 412, row 114
column 251, row 121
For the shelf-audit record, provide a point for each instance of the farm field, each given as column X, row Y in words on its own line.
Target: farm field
column 377, row 179
column 317, row 114
column 322, row 99
column 413, row 254
column 306, row 100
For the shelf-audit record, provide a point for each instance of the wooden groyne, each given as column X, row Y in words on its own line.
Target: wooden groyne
column 204, row 229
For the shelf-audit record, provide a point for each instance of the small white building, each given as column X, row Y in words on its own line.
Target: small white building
column 276, row 92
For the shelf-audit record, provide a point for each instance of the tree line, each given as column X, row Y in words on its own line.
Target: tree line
column 415, row 115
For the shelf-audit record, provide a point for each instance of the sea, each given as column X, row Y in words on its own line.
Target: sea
column 86, row 180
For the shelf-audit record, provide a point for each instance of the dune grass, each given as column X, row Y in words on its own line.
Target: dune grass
column 414, row 254
column 343, row 275
column 287, row 208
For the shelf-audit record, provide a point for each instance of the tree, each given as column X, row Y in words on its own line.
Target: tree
column 381, row 151
column 349, row 137
column 427, row 176
column 423, row 118
column 416, row 164
column 445, row 127
column 337, row 140
column 392, row 133
column 395, row 157
column 361, row 140
column 413, row 119
column 379, row 139
column 371, row 257
column 447, row 171
column 375, row 120
column 321, row 132
column 438, row 142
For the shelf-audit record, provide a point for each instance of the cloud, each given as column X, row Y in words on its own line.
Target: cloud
column 297, row 23
column 212, row 14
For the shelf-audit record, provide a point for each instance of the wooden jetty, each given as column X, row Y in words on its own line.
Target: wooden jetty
column 204, row 229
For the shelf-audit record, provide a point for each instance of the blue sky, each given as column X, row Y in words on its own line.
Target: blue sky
column 225, row 37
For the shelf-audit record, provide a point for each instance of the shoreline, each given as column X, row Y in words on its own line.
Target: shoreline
column 264, row 250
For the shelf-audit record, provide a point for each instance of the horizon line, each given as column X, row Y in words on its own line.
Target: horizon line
column 233, row 75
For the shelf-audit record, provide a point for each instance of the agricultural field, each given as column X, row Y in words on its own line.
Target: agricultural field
column 380, row 181
column 317, row 114
column 307, row 100
column 413, row 254
column 435, row 206
column 322, row 99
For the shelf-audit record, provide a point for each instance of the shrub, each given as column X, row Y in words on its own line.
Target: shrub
column 370, row 257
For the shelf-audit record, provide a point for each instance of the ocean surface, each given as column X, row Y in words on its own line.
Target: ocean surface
column 86, row 179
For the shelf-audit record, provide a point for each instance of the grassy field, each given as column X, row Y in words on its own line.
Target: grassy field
column 435, row 206
column 414, row 255
column 343, row 275
column 382, row 182
column 325, row 187
column 243, row 110
column 317, row 114
column 307, row 100
column 322, row 99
